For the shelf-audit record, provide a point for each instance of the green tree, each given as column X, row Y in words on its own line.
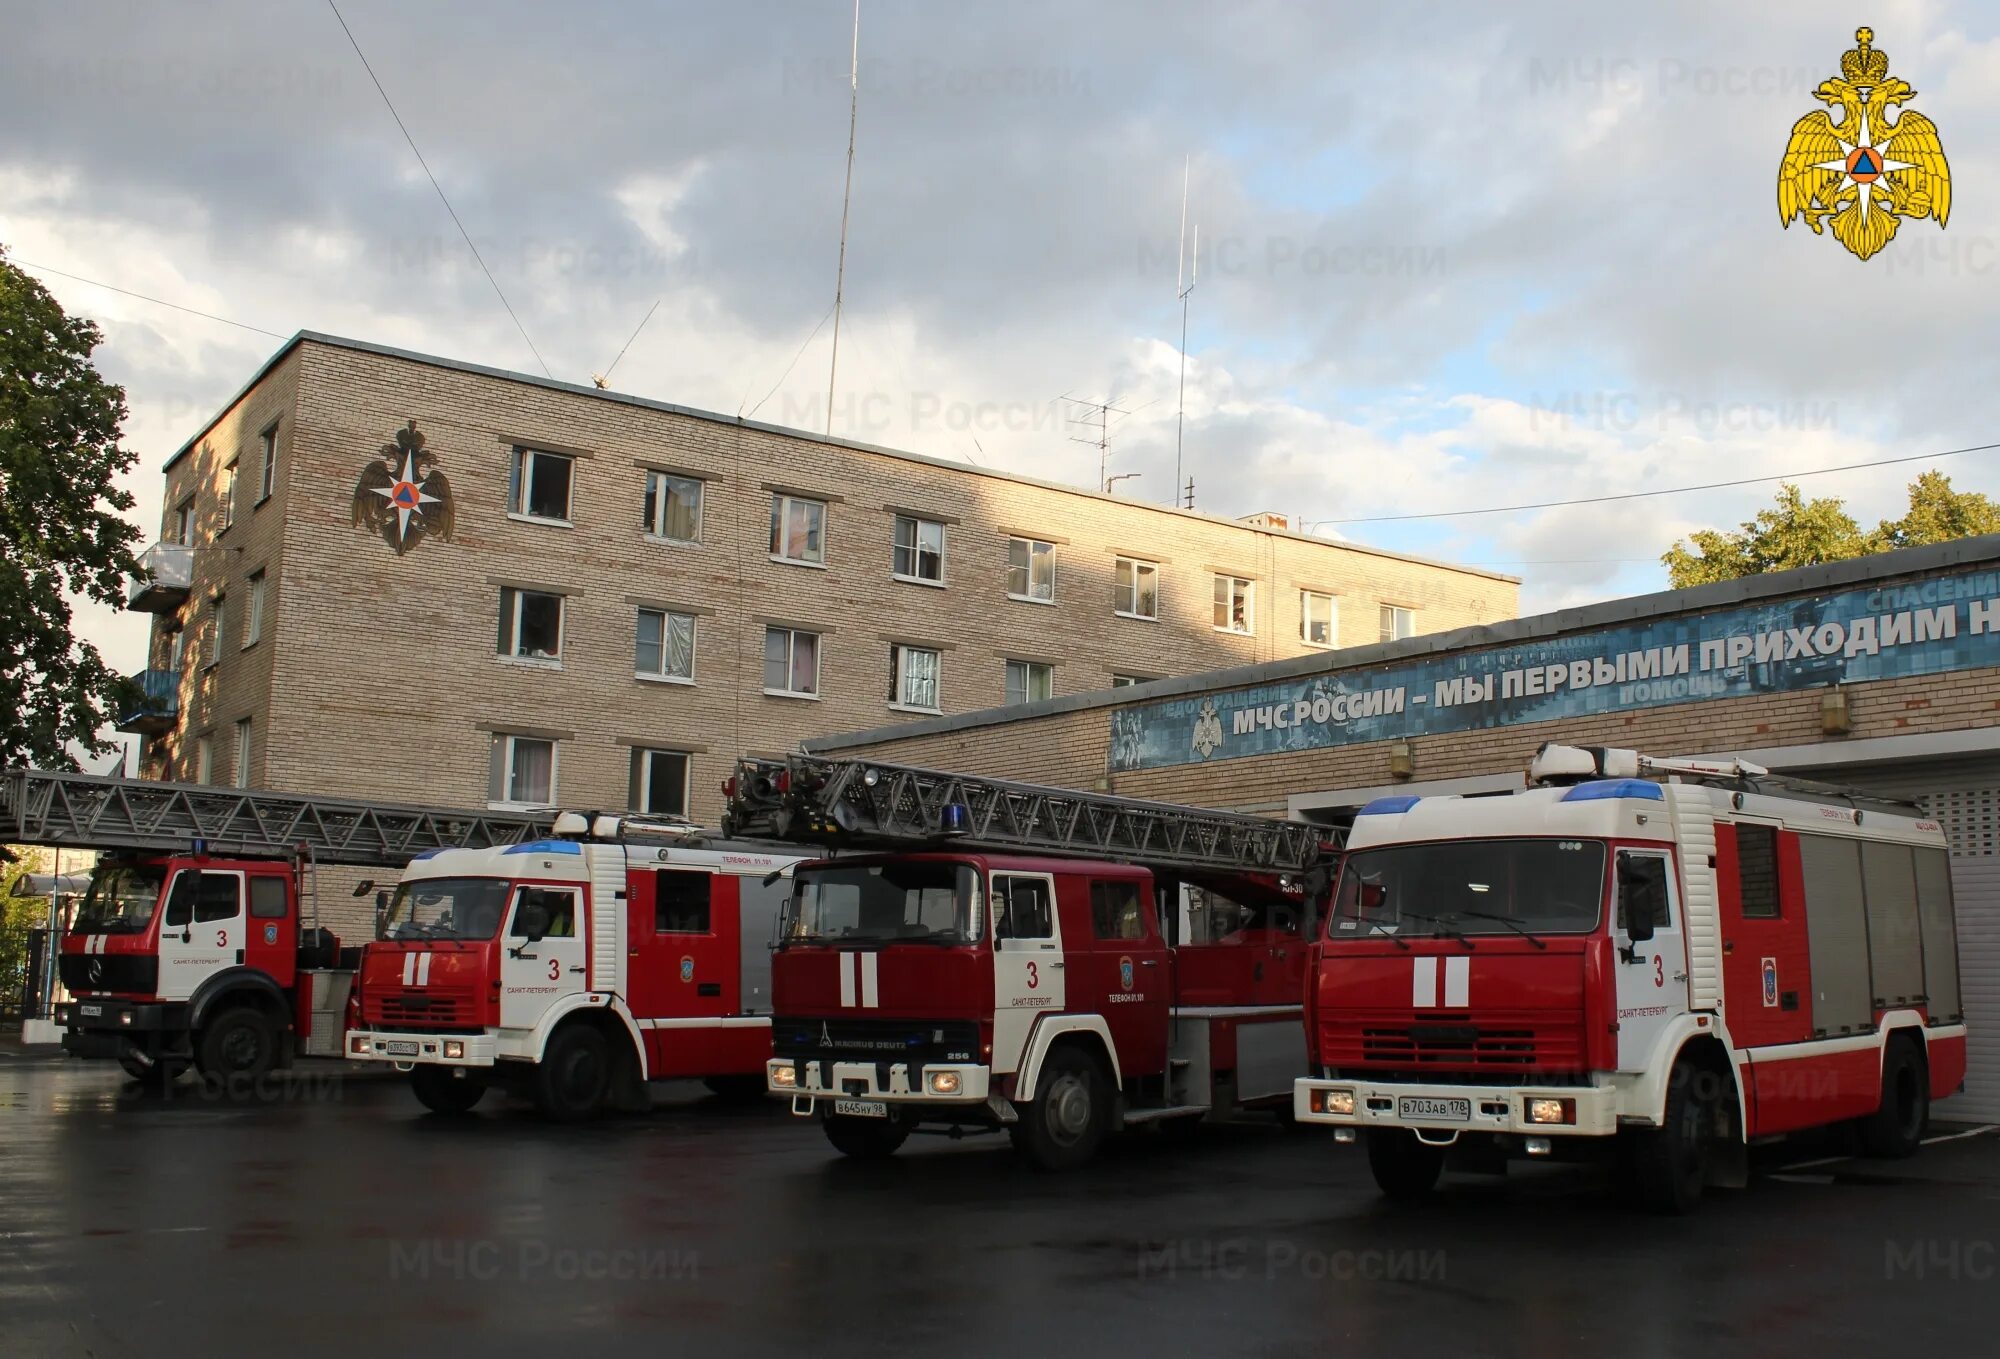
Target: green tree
column 1794, row 532
column 1937, row 514
column 62, row 530
column 18, row 915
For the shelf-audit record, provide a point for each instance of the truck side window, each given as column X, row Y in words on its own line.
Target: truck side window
column 680, row 902
column 180, row 901
column 1116, row 911
column 561, row 904
column 221, row 897
column 267, row 898
column 1757, row 871
column 1028, row 911
column 1642, row 888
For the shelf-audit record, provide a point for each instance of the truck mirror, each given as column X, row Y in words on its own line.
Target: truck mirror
column 364, row 887
column 532, row 921
column 1639, row 928
column 381, row 910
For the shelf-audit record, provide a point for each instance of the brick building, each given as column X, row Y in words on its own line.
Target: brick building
column 389, row 575
column 1881, row 674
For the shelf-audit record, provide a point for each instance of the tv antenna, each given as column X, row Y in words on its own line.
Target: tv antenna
column 1186, row 270
column 846, row 194
column 1092, row 422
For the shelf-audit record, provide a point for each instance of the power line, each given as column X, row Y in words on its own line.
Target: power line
column 439, row 187
column 1670, row 490
column 788, row 369
column 156, row 301
column 604, row 379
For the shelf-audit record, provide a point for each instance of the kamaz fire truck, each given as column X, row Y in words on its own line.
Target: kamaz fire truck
column 1662, row 959
column 575, row 967
column 1004, row 956
column 197, row 941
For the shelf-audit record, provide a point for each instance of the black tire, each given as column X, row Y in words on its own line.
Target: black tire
column 865, row 1139
column 736, row 1089
column 1405, row 1168
column 447, row 1090
column 1668, row 1165
column 1070, row 1115
column 161, row 1074
column 239, row 1044
column 1896, row 1130
column 573, row 1079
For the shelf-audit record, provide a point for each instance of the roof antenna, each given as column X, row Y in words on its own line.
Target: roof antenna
column 603, row 379
column 1189, row 270
column 846, row 193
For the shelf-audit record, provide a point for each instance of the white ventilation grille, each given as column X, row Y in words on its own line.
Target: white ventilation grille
column 1970, row 817
column 1694, row 832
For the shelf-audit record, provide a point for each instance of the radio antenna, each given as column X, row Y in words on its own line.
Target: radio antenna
column 846, row 194
column 1186, row 271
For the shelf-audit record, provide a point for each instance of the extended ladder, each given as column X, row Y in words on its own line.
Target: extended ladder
column 866, row 803
column 87, row 811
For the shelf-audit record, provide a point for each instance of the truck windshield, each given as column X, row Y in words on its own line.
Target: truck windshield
column 120, row 900
column 884, row 903
column 446, row 908
column 1463, row 887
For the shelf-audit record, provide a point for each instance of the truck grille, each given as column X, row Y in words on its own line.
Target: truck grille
column 418, row 1010
column 1517, row 1046
column 128, row 974
column 881, row 1041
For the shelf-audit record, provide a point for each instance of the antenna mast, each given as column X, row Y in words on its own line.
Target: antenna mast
column 846, row 194
column 1190, row 270
column 1094, row 420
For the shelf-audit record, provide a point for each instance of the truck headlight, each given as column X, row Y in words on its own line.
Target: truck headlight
column 1551, row 1111
column 944, row 1082
column 454, row 1048
column 787, row 1076
column 126, row 1018
column 1332, row 1102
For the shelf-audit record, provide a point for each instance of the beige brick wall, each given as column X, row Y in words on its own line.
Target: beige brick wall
column 379, row 676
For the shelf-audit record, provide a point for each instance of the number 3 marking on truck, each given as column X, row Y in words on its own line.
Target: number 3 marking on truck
column 1659, row 969
column 222, row 938
column 555, row 969
column 1034, row 977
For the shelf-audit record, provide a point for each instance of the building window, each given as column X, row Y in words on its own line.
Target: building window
column 913, row 681
column 665, row 646
column 242, row 770
column 1127, row 681
column 1135, row 589
column 798, row 530
column 659, row 782
column 1235, row 605
column 791, row 662
column 253, row 618
column 181, row 527
column 522, row 772
column 919, row 549
column 1398, row 623
column 1031, row 570
column 176, row 649
column 229, row 495
column 673, row 507
column 204, row 761
column 218, row 627
column 1316, row 618
column 1029, row 680
column 540, row 485
column 530, row 625
column 267, row 463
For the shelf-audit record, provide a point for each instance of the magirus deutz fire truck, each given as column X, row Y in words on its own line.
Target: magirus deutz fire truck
column 1664, row 960
column 1000, row 956
column 197, row 942
column 575, row 967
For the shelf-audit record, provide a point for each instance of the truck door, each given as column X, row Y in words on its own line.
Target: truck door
column 1124, row 972
column 1652, row 973
column 1027, row 961
column 535, row 974
column 201, row 931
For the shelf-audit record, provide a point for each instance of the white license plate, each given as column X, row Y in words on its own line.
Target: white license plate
column 860, row 1108
column 1438, row 1110
column 400, row 1049
column 93, row 1011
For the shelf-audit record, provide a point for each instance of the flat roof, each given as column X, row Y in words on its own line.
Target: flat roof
column 1909, row 561
column 693, row 413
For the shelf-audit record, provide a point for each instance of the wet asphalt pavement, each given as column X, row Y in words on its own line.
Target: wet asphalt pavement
column 338, row 1219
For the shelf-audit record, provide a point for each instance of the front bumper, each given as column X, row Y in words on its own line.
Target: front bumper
column 807, row 1080
column 1490, row 1108
column 103, row 1028
column 431, row 1049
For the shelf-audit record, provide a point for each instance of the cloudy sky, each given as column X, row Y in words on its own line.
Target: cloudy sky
column 1452, row 256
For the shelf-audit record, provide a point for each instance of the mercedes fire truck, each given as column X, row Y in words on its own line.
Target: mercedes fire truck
column 1664, row 960
column 1002, row 956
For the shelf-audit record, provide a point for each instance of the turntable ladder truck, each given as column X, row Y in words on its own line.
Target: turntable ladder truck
column 197, row 941
column 985, row 955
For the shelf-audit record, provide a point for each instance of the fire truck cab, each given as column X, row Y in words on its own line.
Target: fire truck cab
column 1661, row 959
column 574, row 968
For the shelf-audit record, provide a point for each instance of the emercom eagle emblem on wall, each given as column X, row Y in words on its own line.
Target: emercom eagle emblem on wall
column 1207, row 730
column 402, row 495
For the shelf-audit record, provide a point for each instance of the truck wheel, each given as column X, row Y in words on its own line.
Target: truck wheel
column 1896, row 1129
column 1668, row 1165
column 444, row 1090
column 574, row 1075
column 1405, row 1168
column 1062, row 1126
column 866, row 1139
column 161, row 1074
column 237, row 1044
column 736, row 1089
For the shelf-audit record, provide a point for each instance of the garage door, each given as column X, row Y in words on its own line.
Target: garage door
column 1964, row 796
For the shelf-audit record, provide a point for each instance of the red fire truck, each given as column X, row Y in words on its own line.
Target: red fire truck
column 576, row 967
column 1055, row 964
column 1662, row 959
column 196, row 942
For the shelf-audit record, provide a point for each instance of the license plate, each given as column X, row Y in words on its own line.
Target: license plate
column 860, row 1108
column 91, row 1011
column 400, row 1049
column 1439, row 1110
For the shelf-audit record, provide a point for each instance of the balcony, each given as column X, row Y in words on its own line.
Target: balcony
column 160, row 709
column 166, row 576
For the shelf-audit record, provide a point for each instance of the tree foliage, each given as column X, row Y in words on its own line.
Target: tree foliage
column 1799, row 532
column 62, row 530
column 18, row 915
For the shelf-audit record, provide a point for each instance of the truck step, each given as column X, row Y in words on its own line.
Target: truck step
column 1133, row 1116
